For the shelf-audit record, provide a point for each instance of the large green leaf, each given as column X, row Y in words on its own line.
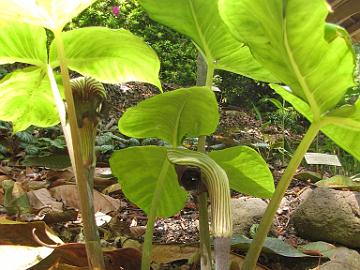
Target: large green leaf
column 109, row 55
column 22, row 43
column 246, row 169
column 288, row 38
column 148, row 179
column 341, row 131
column 26, row 99
column 52, row 14
column 200, row 20
column 173, row 115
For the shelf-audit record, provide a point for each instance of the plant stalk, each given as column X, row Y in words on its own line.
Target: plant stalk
column 147, row 246
column 265, row 224
column 205, row 245
column 92, row 240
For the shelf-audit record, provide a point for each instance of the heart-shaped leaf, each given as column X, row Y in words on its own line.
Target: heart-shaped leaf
column 173, row 115
column 109, row 56
column 148, row 179
column 26, row 99
column 22, row 43
column 52, row 14
column 200, row 20
column 290, row 43
column 247, row 171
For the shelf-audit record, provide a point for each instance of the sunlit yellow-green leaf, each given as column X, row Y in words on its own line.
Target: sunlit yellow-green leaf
column 200, row 20
column 22, row 43
column 26, row 99
column 148, row 179
column 247, row 171
column 52, row 14
column 109, row 55
column 172, row 116
column 289, row 39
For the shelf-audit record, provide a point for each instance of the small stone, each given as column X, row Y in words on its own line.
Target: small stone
column 246, row 212
column 343, row 259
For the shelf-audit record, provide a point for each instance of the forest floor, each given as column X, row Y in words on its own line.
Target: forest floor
column 52, row 200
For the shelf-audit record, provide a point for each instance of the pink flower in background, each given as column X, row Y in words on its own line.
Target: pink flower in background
column 116, row 10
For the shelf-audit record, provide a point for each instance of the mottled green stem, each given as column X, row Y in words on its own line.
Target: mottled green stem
column 205, row 245
column 204, row 77
column 92, row 240
column 265, row 224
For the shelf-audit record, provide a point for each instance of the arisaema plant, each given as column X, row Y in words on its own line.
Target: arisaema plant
column 200, row 20
column 314, row 61
column 36, row 95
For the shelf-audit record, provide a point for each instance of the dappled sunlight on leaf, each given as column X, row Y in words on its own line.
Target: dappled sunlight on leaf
column 52, row 14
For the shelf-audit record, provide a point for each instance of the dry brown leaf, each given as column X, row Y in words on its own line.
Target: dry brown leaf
column 237, row 261
column 69, row 196
column 73, row 256
column 170, row 253
column 41, row 198
column 137, row 231
column 4, row 177
column 33, row 185
column 21, row 233
column 5, row 170
column 65, row 175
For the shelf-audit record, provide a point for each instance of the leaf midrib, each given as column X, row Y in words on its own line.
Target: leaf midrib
column 200, row 33
column 299, row 76
column 177, row 124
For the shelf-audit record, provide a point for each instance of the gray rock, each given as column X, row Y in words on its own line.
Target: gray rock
column 343, row 259
column 246, row 212
column 329, row 215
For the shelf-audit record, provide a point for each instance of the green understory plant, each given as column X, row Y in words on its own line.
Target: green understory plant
column 218, row 50
column 38, row 95
column 315, row 63
column 147, row 173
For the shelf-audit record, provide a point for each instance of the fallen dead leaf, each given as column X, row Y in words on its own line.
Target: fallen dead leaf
column 74, row 256
column 65, row 175
column 137, row 231
column 41, row 198
column 69, row 196
column 18, row 248
column 4, row 177
column 171, row 253
column 20, row 233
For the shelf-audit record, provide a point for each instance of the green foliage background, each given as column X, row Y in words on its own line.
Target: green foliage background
column 176, row 52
